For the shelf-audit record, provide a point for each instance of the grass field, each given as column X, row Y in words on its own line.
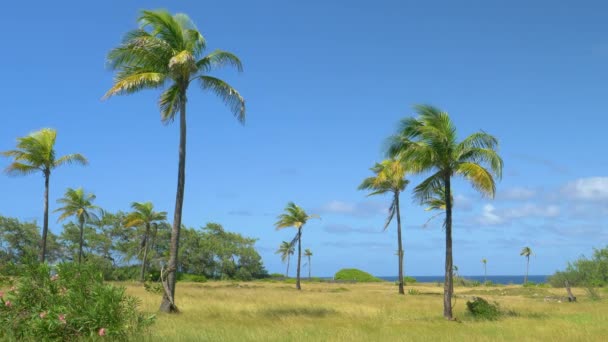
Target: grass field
column 260, row 311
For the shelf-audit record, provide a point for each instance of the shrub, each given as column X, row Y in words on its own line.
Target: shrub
column 194, row 278
column 409, row 280
column 482, row 309
column 277, row 275
column 355, row 275
column 413, row 292
column 72, row 304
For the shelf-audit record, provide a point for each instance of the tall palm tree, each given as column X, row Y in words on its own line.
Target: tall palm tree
column 429, row 143
column 143, row 214
column 286, row 250
column 36, row 153
column 167, row 52
column 390, row 178
column 308, row 254
column 296, row 217
column 484, row 261
column 79, row 204
column 526, row 252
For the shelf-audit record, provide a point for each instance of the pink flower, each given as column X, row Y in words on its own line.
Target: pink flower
column 102, row 332
column 55, row 277
column 62, row 319
column 42, row 314
column 8, row 303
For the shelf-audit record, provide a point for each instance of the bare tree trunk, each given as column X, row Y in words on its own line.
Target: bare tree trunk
column 485, row 273
column 299, row 258
column 448, row 287
column 81, row 240
column 167, row 304
column 309, row 266
column 142, row 278
column 400, row 244
column 45, row 223
column 527, row 269
column 287, row 273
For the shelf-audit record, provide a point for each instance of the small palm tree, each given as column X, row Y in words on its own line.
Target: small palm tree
column 79, row 204
column 167, row 52
column 484, row 261
column 429, row 143
column 390, row 178
column 296, row 217
column 286, row 250
column 526, row 252
column 143, row 214
column 36, row 153
column 308, row 254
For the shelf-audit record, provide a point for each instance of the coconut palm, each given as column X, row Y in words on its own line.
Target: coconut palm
column 286, row 250
column 429, row 143
column 296, row 217
column 167, row 52
column 36, row 153
column 389, row 177
column 143, row 214
column 436, row 203
column 526, row 252
column 308, row 254
column 78, row 203
column 484, row 261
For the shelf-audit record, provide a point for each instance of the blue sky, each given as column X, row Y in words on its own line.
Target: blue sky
column 325, row 84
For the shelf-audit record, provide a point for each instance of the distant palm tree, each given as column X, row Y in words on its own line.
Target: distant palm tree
column 296, row 217
column 429, row 143
column 308, row 253
column 390, row 178
column 143, row 214
column 36, row 153
column 286, row 250
column 526, row 252
column 79, row 204
column 167, row 51
column 484, row 261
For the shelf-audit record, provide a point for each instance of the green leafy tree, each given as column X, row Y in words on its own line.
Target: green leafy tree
column 78, row 203
column 484, row 261
column 167, row 51
column 286, row 250
column 36, row 153
column 429, row 143
column 526, row 252
column 296, row 217
column 308, row 254
column 390, row 178
column 144, row 215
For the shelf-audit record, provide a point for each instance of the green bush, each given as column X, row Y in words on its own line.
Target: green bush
column 409, row 280
column 354, row 274
column 413, row 292
column 194, row 278
column 277, row 275
column 482, row 309
column 72, row 304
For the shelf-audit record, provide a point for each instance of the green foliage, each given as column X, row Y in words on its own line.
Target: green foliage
column 461, row 281
column 584, row 272
column 20, row 241
column 413, row 292
column 71, row 304
column 194, row 278
column 482, row 309
column 409, row 280
column 353, row 274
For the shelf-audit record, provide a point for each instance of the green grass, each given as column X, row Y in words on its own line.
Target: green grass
column 260, row 311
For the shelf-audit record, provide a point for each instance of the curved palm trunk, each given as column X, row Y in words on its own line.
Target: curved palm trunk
column 299, row 258
column 448, row 287
column 287, row 273
column 81, row 240
column 168, row 302
column 527, row 268
column 400, row 244
column 142, row 277
column 45, row 223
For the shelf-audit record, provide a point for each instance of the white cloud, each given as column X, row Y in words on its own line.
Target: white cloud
column 517, row 194
column 358, row 209
column 591, row 189
column 491, row 216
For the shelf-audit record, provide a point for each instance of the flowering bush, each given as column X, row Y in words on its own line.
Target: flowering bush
column 70, row 304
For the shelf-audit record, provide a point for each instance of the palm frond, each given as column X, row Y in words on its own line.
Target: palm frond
column 479, row 177
column 217, row 59
column 228, row 94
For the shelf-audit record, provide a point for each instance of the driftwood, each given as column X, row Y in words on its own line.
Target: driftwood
column 571, row 297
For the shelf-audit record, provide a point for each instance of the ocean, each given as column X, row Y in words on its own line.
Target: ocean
column 496, row 279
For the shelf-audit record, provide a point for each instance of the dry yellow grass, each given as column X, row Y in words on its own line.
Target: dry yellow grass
column 259, row 311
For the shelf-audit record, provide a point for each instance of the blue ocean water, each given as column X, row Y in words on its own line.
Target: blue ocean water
column 496, row 279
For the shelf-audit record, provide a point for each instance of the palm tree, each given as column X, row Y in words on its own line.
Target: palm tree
column 429, row 143
column 79, row 204
column 390, row 178
column 143, row 214
column 296, row 217
column 484, row 261
column 526, row 252
column 286, row 250
column 167, row 51
column 308, row 254
column 34, row 153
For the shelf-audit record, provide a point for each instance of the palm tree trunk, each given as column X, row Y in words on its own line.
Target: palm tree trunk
column 400, row 244
column 527, row 268
column 168, row 304
column 485, row 273
column 142, row 278
column 45, row 223
column 287, row 273
column 299, row 258
column 309, row 266
column 448, row 287
column 81, row 240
